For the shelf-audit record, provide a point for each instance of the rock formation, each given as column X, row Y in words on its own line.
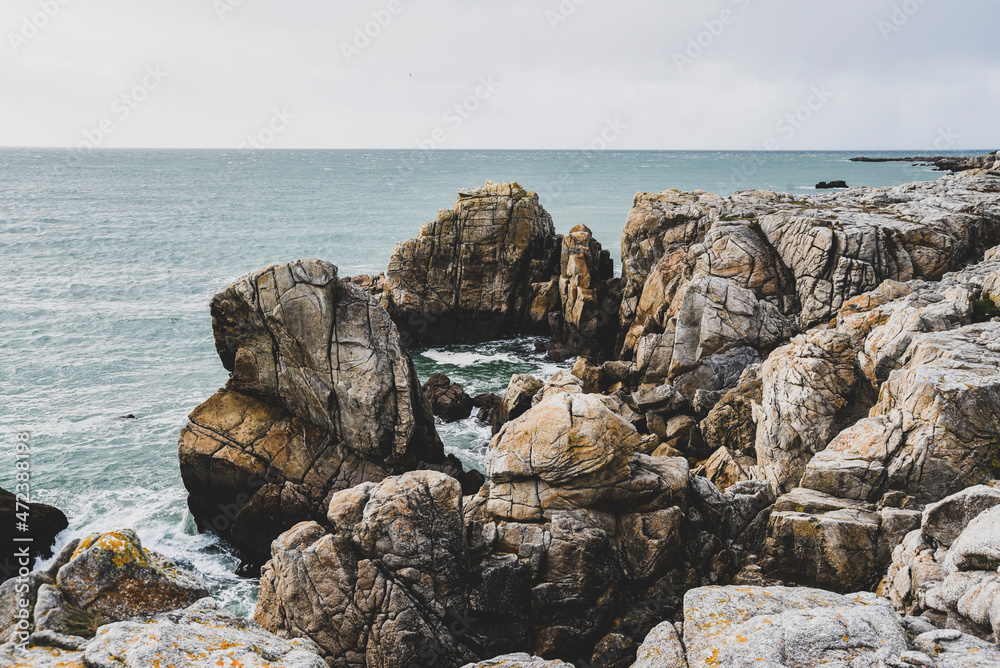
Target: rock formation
column 447, row 400
column 573, row 536
column 714, row 284
column 321, row 397
column 103, row 578
column 587, row 322
column 468, row 276
column 45, row 522
column 197, row 636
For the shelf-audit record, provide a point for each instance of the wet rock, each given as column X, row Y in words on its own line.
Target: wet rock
column 490, row 410
column 43, row 525
column 448, row 400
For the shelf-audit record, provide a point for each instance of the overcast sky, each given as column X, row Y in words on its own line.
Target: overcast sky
column 622, row 74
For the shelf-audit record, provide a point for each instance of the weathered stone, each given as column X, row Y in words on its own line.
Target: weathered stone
column 383, row 591
column 322, row 396
column 519, row 660
column 563, row 382
column 725, row 468
column 112, row 575
column 730, row 423
column 201, row 635
column 737, row 626
column 823, row 541
column 448, row 400
column 977, row 548
column 589, row 304
column 468, row 276
column 521, row 389
column 662, row 648
column 945, row 520
column 46, row 522
column 806, row 387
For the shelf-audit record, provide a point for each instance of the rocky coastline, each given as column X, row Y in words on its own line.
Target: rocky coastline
column 943, row 163
column 779, row 445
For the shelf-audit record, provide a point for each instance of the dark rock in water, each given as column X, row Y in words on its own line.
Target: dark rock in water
column 559, row 351
column 945, row 163
column 43, row 523
column 469, row 275
column 448, row 400
column 127, row 417
column 823, row 185
column 321, row 397
column 490, row 410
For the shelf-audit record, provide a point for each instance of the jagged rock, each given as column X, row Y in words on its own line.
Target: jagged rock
column 490, row 410
column 563, row 382
column 823, row 541
column 776, row 263
column 521, row 390
column 725, row 468
column 589, row 324
column 569, row 451
column 45, row 523
column 951, row 581
column 103, row 578
column 945, row 520
column 321, row 397
column 824, row 185
column 933, row 430
column 373, row 285
column 730, row 424
column 468, row 276
column 806, row 387
column 614, row 651
column 113, row 576
column 381, row 589
column 448, row 400
column 977, row 548
column 590, row 374
column 736, row 626
column 662, row 648
column 546, row 304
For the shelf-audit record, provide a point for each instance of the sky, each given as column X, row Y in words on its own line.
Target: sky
column 920, row 75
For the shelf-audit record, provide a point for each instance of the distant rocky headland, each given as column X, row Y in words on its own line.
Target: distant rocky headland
column 943, row 163
column 779, row 442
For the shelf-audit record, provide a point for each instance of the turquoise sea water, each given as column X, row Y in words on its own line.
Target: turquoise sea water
column 110, row 259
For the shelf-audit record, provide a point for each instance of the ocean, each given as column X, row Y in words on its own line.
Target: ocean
column 110, row 258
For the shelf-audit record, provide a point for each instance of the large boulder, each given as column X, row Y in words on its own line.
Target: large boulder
column 468, row 276
column 102, row 578
column 321, row 397
column 45, row 523
column 381, row 589
column 447, row 399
